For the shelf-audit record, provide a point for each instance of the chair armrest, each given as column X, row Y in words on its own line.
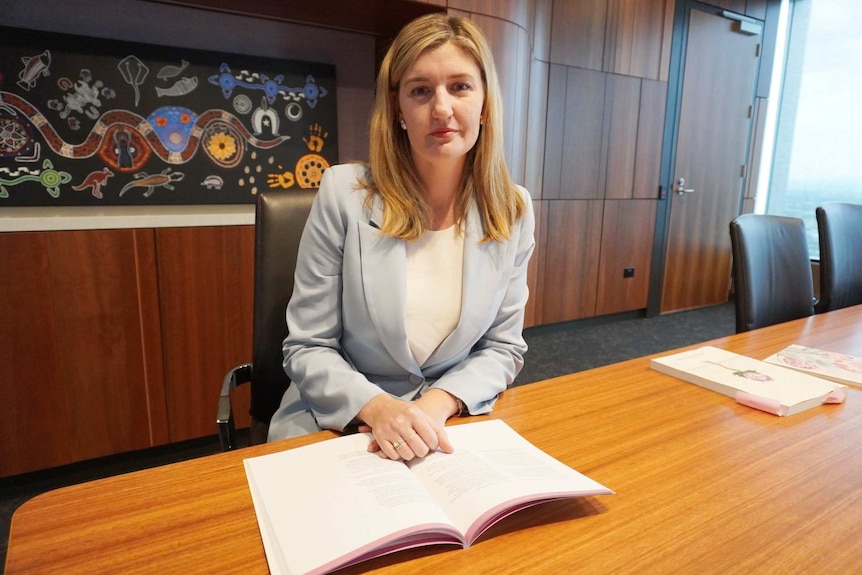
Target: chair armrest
column 224, row 417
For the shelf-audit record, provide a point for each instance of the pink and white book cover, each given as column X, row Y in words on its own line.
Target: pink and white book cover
column 831, row 365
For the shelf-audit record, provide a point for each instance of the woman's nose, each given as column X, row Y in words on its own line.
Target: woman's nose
column 442, row 104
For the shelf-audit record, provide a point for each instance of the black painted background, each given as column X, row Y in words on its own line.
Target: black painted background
column 312, row 143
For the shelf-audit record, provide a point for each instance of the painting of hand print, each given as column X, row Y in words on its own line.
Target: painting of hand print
column 87, row 121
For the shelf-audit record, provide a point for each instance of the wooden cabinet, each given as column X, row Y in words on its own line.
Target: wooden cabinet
column 81, row 361
column 206, row 299
column 116, row 340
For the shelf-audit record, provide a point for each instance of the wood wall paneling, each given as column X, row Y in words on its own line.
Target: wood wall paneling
column 627, row 231
column 636, row 37
column 94, row 279
column 622, row 103
column 34, row 424
column 536, row 268
column 151, row 334
column 554, row 132
column 583, row 157
column 519, row 12
column 651, row 116
column 571, row 260
column 537, row 117
column 541, row 32
column 578, row 33
column 382, row 17
column 667, row 41
column 510, row 45
column 206, row 281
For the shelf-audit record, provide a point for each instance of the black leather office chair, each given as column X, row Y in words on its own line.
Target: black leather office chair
column 840, row 228
column 771, row 270
column 280, row 216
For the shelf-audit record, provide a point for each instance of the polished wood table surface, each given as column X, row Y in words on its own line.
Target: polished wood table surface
column 703, row 485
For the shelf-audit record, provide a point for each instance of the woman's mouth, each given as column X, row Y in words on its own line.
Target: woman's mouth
column 443, row 132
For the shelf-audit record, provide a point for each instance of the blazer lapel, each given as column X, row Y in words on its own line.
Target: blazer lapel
column 384, row 263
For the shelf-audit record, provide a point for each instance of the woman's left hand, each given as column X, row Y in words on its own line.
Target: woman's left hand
column 404, row 430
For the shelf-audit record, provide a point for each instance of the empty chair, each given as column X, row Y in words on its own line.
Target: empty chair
column 840, row 228
column 280, row 217
column 771, row 270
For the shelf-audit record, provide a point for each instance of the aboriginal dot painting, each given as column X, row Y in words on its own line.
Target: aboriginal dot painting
column 87, row 121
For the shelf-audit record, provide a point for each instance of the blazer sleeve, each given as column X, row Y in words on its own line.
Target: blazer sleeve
column 497, row 358
column 331, row 387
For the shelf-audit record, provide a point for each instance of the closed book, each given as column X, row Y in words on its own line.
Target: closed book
column 751, row 382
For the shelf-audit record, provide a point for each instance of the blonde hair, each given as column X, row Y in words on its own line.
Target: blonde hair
column 393, row 174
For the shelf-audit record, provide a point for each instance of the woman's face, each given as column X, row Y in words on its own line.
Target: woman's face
column 440, row 100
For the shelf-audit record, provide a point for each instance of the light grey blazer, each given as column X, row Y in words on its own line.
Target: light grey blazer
column 347, row 338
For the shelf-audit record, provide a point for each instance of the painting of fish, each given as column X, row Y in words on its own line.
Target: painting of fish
column 180, row 88
column 170, row 71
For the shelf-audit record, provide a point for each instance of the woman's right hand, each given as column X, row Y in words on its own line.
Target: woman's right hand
column 401, row 429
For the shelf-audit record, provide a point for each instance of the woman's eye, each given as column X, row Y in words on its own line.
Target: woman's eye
column 461, row 87
column 420, row 91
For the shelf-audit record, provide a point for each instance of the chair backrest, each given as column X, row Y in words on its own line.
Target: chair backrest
column 771, row 270
column 840, row 229
column 279, row 220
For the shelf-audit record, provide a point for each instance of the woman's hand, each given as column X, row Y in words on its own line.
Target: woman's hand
column 403, row 429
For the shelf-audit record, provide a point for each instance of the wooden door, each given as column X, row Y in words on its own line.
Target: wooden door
column 708, row 173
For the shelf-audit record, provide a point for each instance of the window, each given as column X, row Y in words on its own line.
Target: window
column 817, row 155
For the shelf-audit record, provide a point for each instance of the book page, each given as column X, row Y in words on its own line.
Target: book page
column 332, row 504
column 494, row 472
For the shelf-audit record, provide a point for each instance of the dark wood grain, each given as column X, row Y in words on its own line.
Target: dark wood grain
column 206, row 278
column 651, row 116
column 33, row 425
column 583, row 151
column 94, row 278
column 636, row 37
column 622, row 104
column 578, row 33
column 571, row 259
column 536, row 268
column 624, row 226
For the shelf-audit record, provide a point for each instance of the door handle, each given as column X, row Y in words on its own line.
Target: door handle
column 681, row 189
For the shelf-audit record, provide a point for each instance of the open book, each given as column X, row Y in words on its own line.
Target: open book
column 751, row 382
column 838, row 367
column 331, row 504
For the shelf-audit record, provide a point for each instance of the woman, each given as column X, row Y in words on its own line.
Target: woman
column 410, row 286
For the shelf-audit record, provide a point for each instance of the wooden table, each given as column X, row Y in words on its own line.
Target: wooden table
column 703, row 485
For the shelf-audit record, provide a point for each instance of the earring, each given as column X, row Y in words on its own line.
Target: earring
column 403, row 124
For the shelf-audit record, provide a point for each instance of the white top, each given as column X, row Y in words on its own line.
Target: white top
column 434, row 275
